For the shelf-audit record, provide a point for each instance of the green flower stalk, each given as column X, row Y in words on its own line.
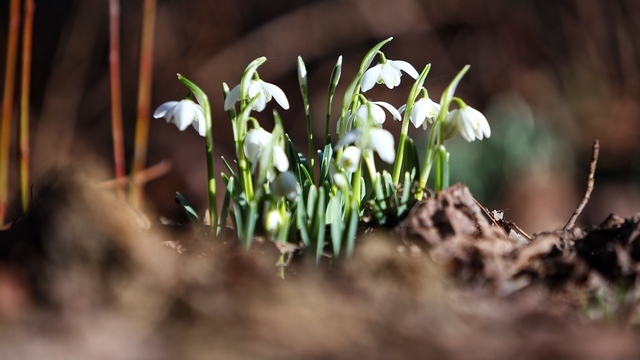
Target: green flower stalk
column 304, row 90
column 415, row 91
column 333, row 83
column 435, row 137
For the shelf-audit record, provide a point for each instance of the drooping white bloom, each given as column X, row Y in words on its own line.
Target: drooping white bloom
column 255, row 140
column 339, row 179
column 471, row 123
column 373, row 110
column 272, row 221
column 382, row 142
column 424, row 111
column 183, row 113
column 285, row 184
column 387, row 72
column 350, row 159
column 255, row 143
column 262, row 91
column 379, row 140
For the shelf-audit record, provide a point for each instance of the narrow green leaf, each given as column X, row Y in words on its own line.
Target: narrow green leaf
column 188, row 209
column 320, row 228
column 352, row 228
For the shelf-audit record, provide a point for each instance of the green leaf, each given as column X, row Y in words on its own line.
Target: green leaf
column 325, row 161
column 302, row 222
column 188, row 209
column 320, row 227
column 334, row 212
column 352, row 228
column 312, row 197
column 226, row 164
column 447, row 94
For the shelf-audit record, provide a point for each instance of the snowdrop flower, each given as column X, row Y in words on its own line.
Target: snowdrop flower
column 350, row 159
column 339, row 179
column 469, row 121
column 424, row 111
column 255, row 142
column 183, row 113
column 387, row 72
column 285, row 185
column 273, row 220
column 379, row 140
column 262, row 91
column 382, row 142
column 373, row 110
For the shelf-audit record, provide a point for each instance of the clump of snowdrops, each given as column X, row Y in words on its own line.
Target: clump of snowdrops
column 273, row 190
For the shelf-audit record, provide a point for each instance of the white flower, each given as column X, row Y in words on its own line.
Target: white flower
column 382, row 142
column 272, row 221
column 350, row 159
column 183, row 113
column 285, row 184
column 388, row 73
column 424, row 111
column 379, row 140
column 373, row 110
column 339, row 179
column 255, row 143
column 470, row 122
column 262, row 91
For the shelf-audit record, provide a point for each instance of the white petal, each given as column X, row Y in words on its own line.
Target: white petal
column 377, row 114
column 389, row 108
column 232, row 97
column 286, row 184
column 349, row 138
column 402, row 108
column 280, row 159
column 254, row 141
column 382, row 142
column 406, row 67
column 200, row 125
column 419, row 113
column 390, row 75
column 277, row 93
column 162, row 110
column 350, row 159
column 184, row 114
column 370, row 78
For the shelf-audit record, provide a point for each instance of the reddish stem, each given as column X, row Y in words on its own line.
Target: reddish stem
column 116, row 92
column 7, row 103
column 27, row 36
column 144, row 98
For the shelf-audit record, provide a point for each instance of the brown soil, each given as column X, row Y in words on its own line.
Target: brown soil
column 82, row 276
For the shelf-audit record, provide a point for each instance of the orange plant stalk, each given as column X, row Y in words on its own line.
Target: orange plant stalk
column 144, row 99
column 27, row 36
column 116, row 92
column 7, row 103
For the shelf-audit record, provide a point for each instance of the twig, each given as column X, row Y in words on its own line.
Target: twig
column 141, row 177
column 7, row 103
column 27, row 37
column 116, row 92
column 587, row 194
column 144, row 98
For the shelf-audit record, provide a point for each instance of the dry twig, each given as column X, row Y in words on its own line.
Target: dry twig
column 587, row 194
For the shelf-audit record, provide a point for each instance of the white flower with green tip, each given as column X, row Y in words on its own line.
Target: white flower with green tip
column 262, row 91
column 350, row 159
column 424, row 111
column 376, row 139
column 387, row 72
column 255, row 142
column 183, row 113
column 471, row 123
column 285, row 185
column 373, row 110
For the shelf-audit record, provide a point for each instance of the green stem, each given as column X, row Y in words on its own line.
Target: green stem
column 211, row 179
column 335, row 78
column 413, row 94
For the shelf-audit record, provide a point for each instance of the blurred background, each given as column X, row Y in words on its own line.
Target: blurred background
column 551, row 77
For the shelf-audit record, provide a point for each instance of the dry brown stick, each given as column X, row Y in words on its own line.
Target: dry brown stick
column 587, row 194
column 141, row 177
